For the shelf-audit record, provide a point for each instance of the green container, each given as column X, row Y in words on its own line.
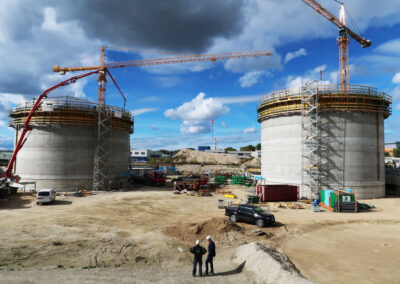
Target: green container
column 322, row 196
column 253, row 199
column 342, row 197
column 220, row 180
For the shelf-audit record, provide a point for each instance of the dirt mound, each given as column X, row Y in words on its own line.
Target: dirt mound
column 222, row 230
column 268, row 266
column 199, row 157
column 214, row 227
column 253, row 163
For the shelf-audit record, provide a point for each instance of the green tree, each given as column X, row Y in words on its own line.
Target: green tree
column 166, row 152
column 191, row 148
column 258, row 146
column 229, row 149
column 248, row 148
column 396, row 152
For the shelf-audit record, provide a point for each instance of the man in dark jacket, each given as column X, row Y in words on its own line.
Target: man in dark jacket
column 198, row 252
column 210, row 255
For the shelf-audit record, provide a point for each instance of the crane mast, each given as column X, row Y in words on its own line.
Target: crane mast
column 101, row 156
column 343, row 41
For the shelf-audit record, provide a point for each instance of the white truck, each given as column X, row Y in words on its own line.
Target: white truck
column 46, row 196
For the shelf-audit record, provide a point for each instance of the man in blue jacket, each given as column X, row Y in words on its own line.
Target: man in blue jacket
column 198, row 252
column 210, row 255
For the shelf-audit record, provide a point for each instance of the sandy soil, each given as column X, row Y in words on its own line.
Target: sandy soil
column 143, row 236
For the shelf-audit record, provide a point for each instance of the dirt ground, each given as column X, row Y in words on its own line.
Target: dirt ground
column 144, row 235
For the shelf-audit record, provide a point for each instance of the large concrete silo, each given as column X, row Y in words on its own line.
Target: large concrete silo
column 59, row 151
column 348, row 138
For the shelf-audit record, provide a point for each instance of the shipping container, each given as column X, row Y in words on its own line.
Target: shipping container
column 278, row 192
column 203, row 148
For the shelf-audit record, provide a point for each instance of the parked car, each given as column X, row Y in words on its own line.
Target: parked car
column 46, row 196
column 249, row 214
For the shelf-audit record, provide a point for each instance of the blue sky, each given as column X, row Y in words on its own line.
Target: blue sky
column 174, row 104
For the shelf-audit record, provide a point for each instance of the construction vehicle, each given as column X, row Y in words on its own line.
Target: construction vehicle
column 343, row 41
column 101, row 153
column 9, row 181
column 154, row 178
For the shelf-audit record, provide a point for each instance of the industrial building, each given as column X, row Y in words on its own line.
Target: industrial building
column 59, row 152
column 140, row 155
column 5, row 157
column 325, row 137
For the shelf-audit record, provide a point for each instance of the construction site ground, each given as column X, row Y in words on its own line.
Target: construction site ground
column 144, row 236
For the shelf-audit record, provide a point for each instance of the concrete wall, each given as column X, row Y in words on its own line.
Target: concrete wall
column 61, row 156
column 349, row 141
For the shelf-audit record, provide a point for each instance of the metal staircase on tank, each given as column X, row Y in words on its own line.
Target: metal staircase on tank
column 310, row 142
column 332, row 142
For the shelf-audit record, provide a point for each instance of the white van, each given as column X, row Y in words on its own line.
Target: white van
column 46, row 196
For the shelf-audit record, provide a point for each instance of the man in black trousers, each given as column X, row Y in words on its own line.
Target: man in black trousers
column 198, row 252
column 210, row 255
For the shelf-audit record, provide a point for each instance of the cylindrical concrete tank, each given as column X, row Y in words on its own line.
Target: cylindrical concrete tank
column 60, row 149
column 350, row 136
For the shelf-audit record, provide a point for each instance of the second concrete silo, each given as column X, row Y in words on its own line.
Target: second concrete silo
column 347, row 136
column 59, row 150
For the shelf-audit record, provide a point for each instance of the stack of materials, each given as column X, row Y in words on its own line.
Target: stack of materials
column 241, row 180
column 220, row 180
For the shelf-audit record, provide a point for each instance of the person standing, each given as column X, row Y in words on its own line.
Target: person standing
column 210, row 255
column 198, row 252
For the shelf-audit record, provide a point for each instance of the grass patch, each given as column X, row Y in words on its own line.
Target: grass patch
column 57, row 244
column 3, row 264
column 88, row 267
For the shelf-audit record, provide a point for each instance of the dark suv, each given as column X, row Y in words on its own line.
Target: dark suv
column 249, row 214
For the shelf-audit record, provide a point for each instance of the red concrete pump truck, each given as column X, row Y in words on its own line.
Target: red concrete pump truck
column 9, row 181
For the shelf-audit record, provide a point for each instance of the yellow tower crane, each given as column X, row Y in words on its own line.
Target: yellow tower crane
column 343, row 41
column 100, row 176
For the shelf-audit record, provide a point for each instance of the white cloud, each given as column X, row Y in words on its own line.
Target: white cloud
column 250, row 130
column 6, row 102
column 396, row 93
column 239, row 99
column 154, row 127
column 195, row 127
column 167, row 81
column 150, row 99
column 197, row 114
column 6, row 143
column 389, row 47
column 396, row 78
column 29, row 55
column 139, row 111
column 250, row 78
column 224, row 125
column 292, row 55
column 73, row 89
column 200, row 108
column 310, row 75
